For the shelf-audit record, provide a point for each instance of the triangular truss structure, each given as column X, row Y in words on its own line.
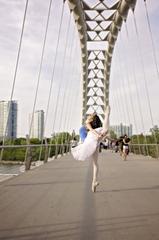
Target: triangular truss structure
column 98, row 25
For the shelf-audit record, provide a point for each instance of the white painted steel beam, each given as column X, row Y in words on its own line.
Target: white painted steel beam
column 98, row 33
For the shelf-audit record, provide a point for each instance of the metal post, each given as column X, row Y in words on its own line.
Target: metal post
column 28, row 155
column 46, row 151
column 1, row 154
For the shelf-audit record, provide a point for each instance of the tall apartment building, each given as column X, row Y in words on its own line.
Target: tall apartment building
column 121, row 129
column 37, row 128
column 8, row 119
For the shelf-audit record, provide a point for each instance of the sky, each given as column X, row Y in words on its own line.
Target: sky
column 134, row 74
column 132, row 99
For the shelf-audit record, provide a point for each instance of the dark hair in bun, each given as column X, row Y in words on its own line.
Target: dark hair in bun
column 96, row 123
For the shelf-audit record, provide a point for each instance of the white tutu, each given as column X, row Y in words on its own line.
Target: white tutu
column 85, row 150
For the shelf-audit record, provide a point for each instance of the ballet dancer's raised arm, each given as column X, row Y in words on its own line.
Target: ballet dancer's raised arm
column 106, row 121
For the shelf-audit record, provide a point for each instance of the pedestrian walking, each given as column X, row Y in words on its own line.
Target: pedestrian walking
column 126, row 142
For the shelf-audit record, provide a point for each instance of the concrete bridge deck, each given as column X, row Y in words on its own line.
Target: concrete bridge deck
column 54, row 201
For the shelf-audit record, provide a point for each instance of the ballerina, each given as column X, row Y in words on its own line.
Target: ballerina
column 89, row 148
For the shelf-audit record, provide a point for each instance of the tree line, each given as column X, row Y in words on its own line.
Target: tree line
column 58, row 144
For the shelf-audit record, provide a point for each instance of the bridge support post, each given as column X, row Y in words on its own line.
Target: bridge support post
column 46, row 151
column 1, row 154
column 56, row 149
column 28, row 155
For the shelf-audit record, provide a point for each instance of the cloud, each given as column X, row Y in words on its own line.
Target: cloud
column 133, row 55
column 126, row 56
column 30, row 56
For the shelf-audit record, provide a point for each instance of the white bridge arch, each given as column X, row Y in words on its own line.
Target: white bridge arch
column 98, row 25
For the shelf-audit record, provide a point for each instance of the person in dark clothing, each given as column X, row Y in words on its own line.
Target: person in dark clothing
column 121, row 145
column 116, row 146
column 126, row 141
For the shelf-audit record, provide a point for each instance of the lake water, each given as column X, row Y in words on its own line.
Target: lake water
column 16, row 169
column 7, row 171
column 10, row 169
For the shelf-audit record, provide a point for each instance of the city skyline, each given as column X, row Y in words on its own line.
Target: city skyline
column 36, row 124
column 121, row 130
column 8, row 119
column 63, row 114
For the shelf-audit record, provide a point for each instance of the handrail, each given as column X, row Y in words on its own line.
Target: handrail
column 31, row 145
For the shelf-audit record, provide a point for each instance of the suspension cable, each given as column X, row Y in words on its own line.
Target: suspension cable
column 71, row 81
column 115, row 100
column 145, row 81
column 39, row 76
column 52, row 78
column 72, row 94
column 53, row 70
column 66, row 96
column 118, row 101
column 115, row 105
column 121, row 90
column 15, row 75
column 152, row 40
column 60, row 84
column 143, row 70
column 155, row 58
column 40, row 67
column 54, row 66
column 62, row 67
column 73, row 105
column 131, row 100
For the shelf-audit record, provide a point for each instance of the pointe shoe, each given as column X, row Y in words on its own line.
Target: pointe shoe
column 94, row 186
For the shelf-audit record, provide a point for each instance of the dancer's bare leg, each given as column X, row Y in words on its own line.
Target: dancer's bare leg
column 106, row 120
column 95, row 170
column 124, row 154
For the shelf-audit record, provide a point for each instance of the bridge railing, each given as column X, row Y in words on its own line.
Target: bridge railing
column 29, row 153
column 145, row 149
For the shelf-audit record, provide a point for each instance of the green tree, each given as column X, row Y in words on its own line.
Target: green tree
column 154, row 134
column 112, row 134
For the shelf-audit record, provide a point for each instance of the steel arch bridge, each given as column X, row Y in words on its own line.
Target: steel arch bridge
column 98, row 26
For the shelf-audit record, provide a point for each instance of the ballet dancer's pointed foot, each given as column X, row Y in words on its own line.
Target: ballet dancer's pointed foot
column 94, row 186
